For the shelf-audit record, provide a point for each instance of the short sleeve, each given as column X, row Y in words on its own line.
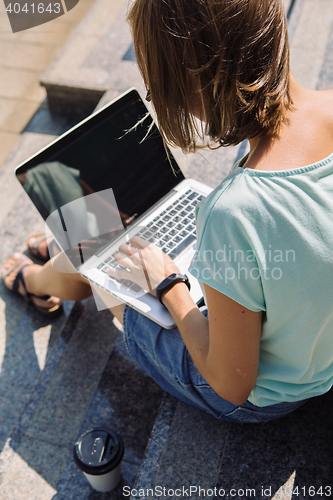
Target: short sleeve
column 225, row 258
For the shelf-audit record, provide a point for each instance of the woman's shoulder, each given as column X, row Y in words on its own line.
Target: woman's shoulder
column 326, row 94
column 232, row 199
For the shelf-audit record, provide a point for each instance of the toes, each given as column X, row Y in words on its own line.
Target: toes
column 11, row 262
column 12, row 267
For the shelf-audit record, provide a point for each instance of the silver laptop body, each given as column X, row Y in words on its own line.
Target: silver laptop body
column 107, row 179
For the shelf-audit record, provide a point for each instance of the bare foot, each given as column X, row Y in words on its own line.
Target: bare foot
column 9, row 272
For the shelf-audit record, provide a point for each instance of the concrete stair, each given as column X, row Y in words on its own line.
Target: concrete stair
column 98, row 57
column 189, row 450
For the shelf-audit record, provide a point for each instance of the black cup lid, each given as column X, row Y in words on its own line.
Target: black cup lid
column 98, row 451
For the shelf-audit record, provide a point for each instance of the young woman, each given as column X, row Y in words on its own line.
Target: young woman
column 219, row 69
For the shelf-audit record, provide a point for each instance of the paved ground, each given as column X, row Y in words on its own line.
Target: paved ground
column 24, row 57
column 58, row 379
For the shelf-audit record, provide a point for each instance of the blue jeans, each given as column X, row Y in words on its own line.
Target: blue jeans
column 163, row 355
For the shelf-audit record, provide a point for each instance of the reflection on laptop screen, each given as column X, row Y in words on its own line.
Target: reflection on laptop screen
column 106, row 151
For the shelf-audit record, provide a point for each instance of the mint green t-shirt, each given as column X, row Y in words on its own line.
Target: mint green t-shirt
column 265, row 239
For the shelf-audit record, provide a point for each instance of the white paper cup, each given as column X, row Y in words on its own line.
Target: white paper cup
column 98, row 453
column 105, row 482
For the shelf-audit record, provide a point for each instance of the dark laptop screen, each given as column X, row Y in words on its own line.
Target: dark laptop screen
column 106, row 151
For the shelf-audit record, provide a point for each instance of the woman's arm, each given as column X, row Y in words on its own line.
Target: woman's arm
column 225, row 349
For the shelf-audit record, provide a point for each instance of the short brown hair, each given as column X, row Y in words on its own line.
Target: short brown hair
column 231, row 55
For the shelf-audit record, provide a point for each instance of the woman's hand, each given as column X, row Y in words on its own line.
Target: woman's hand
column 143, row 263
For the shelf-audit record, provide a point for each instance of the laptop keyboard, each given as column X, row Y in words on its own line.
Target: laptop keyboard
column 173, row 230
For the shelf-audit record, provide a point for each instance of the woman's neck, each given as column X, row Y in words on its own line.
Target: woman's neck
column 305, row 138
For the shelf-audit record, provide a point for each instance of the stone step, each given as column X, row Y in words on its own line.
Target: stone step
column 86, row 381
column 98, row 57
column 60, row 377
column 189, row 449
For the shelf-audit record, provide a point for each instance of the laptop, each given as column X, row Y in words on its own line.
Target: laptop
column 107, row 179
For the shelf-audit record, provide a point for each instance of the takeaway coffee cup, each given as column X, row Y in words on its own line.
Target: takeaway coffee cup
column 98, row 453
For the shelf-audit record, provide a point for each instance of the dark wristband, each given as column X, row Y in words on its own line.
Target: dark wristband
column 169, row 282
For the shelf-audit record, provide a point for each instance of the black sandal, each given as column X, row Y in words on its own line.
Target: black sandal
column 47, row 311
